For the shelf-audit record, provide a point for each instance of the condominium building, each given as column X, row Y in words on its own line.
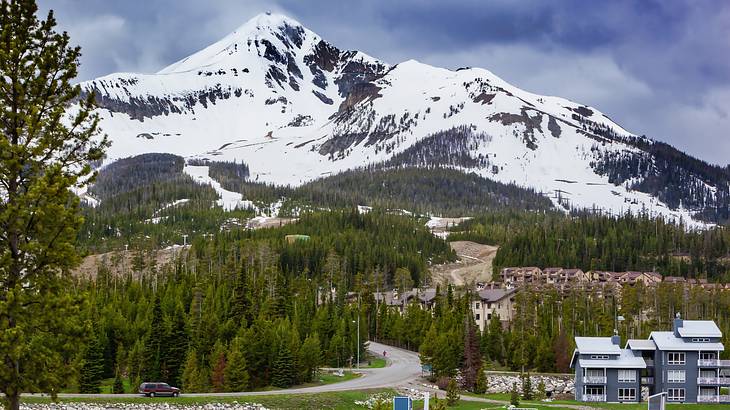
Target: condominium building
column 684, row 363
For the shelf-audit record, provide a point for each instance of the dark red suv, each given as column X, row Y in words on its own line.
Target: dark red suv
column 158, row 389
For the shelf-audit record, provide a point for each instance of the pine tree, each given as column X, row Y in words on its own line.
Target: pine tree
column 481, row 384
column 541, row 390
column 283, row 374
column 192, row 376
column 236, row 373
column 219, row 364
column 42, row 157
column 310, row 356
column 452, row 393
column 472, row 355
column 153, row 354
column 526, row 387
column 175, row 347
column 514, row 395
column 92, row 371
column 241, row 299
column 495, row 340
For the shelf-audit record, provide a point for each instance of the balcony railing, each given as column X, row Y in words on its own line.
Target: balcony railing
column 594, row 380
column 594, row 397
column 714, row 380
column 647, row 380
column 713, row 363
column 649, row 362
column 723, row 398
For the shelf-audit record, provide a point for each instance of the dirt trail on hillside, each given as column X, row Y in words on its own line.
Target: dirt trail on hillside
column 474, row 264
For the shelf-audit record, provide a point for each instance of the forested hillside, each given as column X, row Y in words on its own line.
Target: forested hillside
column 423, row 190
column 239, row 310
column 601, row 242
column 147, row 202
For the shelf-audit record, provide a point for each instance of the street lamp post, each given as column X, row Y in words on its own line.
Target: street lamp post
column 358, row 331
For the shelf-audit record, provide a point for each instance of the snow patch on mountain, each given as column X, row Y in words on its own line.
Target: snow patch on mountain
column 228, row 200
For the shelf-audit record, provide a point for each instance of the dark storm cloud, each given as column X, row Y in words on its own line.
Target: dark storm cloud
column 659, row 68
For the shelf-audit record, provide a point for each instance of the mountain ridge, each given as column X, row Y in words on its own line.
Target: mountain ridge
column 296, row 108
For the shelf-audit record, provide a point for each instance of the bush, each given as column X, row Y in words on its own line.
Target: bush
column 452, row 393
column 480, row 387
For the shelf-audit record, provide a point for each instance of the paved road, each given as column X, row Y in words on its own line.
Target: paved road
column 404, row 367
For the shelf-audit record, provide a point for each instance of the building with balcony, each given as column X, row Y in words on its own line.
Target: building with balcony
column 604, row 372
column 684, row 363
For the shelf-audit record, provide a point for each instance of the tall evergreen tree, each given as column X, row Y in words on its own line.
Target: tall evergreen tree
column 310, row 356
column 236, row 373
column 241, row 299
column 175, row 347
column 218, row 368
column 42, row 156
column 153, row 351
column 472, row 355
column 92, row 371
column 283, row 374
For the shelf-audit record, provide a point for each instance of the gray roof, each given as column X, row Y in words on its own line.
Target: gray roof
column 495, row 295
column 596, row 345
column 640, row 344
column 668, row 341
column 699, row 328
column 626, row 360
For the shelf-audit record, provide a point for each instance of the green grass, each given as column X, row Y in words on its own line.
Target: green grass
column 331, row 400
column 107, row 384
column 374, row 363
column 329, row 378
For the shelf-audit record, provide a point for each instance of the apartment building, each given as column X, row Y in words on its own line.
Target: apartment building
column 684, row 363
column 492, row 302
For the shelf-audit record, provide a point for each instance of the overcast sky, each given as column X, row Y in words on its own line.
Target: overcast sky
column 659, row 68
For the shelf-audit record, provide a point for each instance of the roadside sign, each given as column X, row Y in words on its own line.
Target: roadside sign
column 402, row 403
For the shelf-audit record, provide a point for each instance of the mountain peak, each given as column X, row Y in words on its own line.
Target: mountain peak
column 268, row 20
column 272, row 27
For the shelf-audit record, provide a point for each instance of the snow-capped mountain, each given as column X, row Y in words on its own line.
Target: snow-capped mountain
column 296, row 108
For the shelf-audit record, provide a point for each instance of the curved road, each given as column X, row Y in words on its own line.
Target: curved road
column 404, row 367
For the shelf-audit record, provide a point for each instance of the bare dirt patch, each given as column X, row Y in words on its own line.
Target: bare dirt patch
column 474, row 264
column 120, row 263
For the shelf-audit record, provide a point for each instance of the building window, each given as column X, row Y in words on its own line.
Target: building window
column 627, row 394
column 700, row 339
column 599, row 356
column 676, row 376
column 626, row 376
column 489, row 316
column 477, row 317
column 675, row 394
column 477, row 304
column 707, row 355
column 594, row 390
column 675, row 358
